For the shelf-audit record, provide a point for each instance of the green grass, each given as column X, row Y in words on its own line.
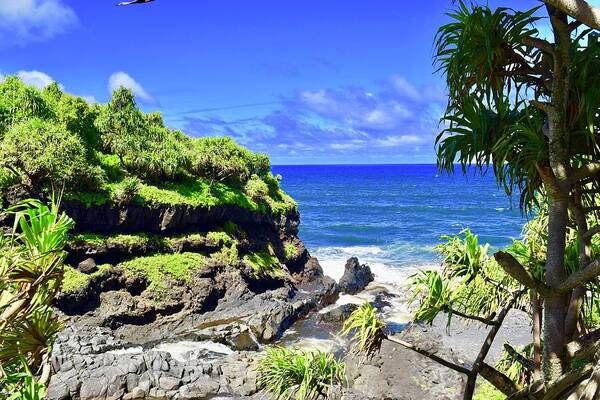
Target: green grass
column 191, row 192
column 94, row 239
column 263, row 264
column 302, row 375
column 73, row 279
column 160, row 269
column 219, row 238
column 290, row 251
column 486, row 391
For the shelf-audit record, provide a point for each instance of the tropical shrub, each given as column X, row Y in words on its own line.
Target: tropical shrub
column 121, row 125
column 31, row 271
column 366, row 329
column 125, row 191
column 294, row 373
column 46, row 153
column 220, row 159
column 19, row 102
column 56, row 140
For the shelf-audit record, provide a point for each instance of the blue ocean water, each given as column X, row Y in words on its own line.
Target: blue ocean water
column 395, row 214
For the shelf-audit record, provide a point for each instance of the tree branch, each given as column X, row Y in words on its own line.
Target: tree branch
column 580, row 277
column 579, row 10
column 428, row 354
column 542, row 105
column 540, row 44
column 513, row 268
column 591, row 232
column 487, row 344
column 584, row 345
column 518, row 357
column 586, row 171
column 500, row 381
column 486, row 321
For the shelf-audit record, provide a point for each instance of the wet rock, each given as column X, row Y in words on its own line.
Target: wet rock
column 356, row 276
column 87, row 266
column 336, row 312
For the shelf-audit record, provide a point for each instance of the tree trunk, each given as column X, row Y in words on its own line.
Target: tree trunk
column 554, row 306
column 559, row 190
column 537, row 335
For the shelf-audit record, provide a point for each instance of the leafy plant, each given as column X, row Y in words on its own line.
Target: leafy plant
column 31, row 268
column 125, row 191
column 299, row 374
column 462, row 254
column 366, row 329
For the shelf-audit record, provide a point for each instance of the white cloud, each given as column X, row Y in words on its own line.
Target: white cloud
column 119, row 79
column 23, row 21
column 36, row 78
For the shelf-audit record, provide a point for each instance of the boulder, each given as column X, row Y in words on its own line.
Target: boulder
column 356, row 276
column 87, row 266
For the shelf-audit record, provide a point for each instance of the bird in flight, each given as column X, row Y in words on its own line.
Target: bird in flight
column 126, row 3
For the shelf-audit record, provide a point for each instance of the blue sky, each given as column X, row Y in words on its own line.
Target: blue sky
column 305, row 81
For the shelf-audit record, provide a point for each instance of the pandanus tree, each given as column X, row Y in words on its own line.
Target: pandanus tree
column 526, row 108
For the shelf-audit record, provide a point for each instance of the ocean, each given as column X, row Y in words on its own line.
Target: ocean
column 391, row 216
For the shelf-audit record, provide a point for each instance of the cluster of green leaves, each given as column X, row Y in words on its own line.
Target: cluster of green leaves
column 492, row 76
column 31, row 271
column 115, row 152
column 298, row 374
column 366, row 329
column 470, row 282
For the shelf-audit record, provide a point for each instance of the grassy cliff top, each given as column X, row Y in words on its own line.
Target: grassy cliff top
column 115, row 153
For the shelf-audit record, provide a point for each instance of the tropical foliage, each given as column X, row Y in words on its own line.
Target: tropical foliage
column 31, row 268
column 526, row 108
column 299, row 374
column 115, row 152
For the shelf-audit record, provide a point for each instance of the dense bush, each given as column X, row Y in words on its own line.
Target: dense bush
column 220, row 159
column 44, row 152
column 19, row 102
column 51, row 139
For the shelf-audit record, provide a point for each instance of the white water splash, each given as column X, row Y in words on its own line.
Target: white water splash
column 179, row 350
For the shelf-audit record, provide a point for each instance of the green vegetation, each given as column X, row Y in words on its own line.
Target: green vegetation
column 525, row 107
column 160, row 269
column 74, row 279
column 219, row 238
column 366, row 327
column 116, row 153
column 302, row 375
column 487, row 391
column 290, row 251
column 264, row 264
column 31, row 270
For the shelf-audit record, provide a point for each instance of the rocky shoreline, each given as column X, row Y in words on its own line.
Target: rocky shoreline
column 201, row 338
column 217, row 358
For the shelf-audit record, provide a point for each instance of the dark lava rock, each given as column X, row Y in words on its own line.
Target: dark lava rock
column 356, row 276
column 87, row 266
column 397, row 373
column 336, row 312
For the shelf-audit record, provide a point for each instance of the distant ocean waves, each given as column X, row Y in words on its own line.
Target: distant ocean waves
column 391, row 216
column 392, row 264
